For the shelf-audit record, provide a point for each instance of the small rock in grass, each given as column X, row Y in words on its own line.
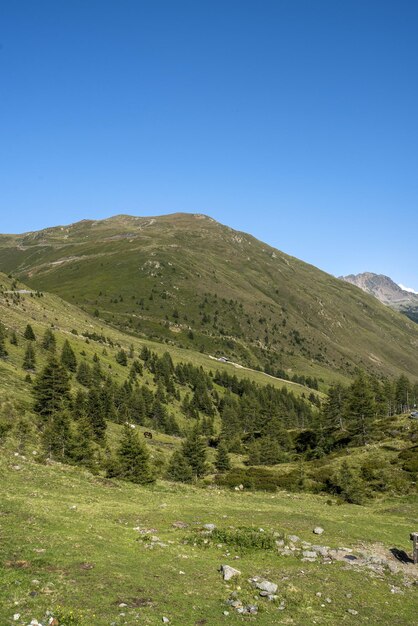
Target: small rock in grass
column 293, row 538
column 309, row 554
column 229, row 572
column 180, row 525
column 318, row 530
column 352, row 611
column 165, row 620
column 209, row 527
column 267, row 586
column 226, row 613
column 16, row 616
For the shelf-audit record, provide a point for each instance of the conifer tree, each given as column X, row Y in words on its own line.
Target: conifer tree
column 51, row 389
column 194, row 450
column 122, row 358
column 29, row 334
column 79, row 405
column 82, row 451
column 361, row 407
column 3, row 351
column 13, row 338
column 48, row 341
column 254, row 453
column 179, row 469
column 29, row 359
column 68, row 358
column 95, row 414
column 84, row 374
column 133, row 458
column 57, row 437
column 222, row 462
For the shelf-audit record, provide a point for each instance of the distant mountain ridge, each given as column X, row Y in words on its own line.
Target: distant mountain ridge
column 186, row 280
column 387, row 291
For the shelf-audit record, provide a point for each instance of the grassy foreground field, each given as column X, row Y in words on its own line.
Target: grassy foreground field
column 75, row 540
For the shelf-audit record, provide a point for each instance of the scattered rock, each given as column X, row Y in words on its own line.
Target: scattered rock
column 293, row 538
column 16, row 616
column 352, row 611
column 209, row 527
column 309, row 554
column 266, row 586
column 318, row 530
column 165, row 620
column 180, row 525
column 229, row 572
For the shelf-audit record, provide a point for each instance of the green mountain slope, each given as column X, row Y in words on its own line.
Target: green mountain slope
column 87, row 336
column 189, row 281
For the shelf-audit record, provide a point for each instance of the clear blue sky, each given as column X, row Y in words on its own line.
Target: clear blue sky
column 295, row 120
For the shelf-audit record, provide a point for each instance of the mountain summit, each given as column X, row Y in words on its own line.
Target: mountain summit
column 189, row 281
column 387, row 291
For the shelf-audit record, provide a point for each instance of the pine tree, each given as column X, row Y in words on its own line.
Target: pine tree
column 68, row 358
column 3, row 351
column 82, row 450
column 95, row 414
column 29, row 334
column 349, row 485
column 84, row 374
column 57, row 437
column 179, row 469
column 51, row 389
column 121, row 358
column 222, row 462
column 194, row 450
column 269, row 451
column 29, row 359
column 13, row 338
column 48, row 341
column 361, row 407
column 254, row 453
column 133, row 458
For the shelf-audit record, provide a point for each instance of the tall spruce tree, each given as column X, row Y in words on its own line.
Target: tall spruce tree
column 57, row 437
column 84, row 374
column 133, row 458
column 3, row 351
column 29, row 359
column 51, row 389
column 68, row 358
column 361, row 407
column 95, row 414
column 29, row 333
column 179, row 468
column 194, row 450
column 222, row 462
column 48, row 341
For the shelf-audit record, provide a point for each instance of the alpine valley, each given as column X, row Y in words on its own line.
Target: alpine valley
column 197, row 428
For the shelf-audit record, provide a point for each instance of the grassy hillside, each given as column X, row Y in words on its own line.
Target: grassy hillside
column 109, row 550
column 19, row 306
column 190, row 282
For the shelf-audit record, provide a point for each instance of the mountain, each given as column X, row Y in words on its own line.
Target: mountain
column 185, row 280
column 387, row 291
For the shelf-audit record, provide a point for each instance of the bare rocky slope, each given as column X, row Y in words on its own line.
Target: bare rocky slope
column 387, row 291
